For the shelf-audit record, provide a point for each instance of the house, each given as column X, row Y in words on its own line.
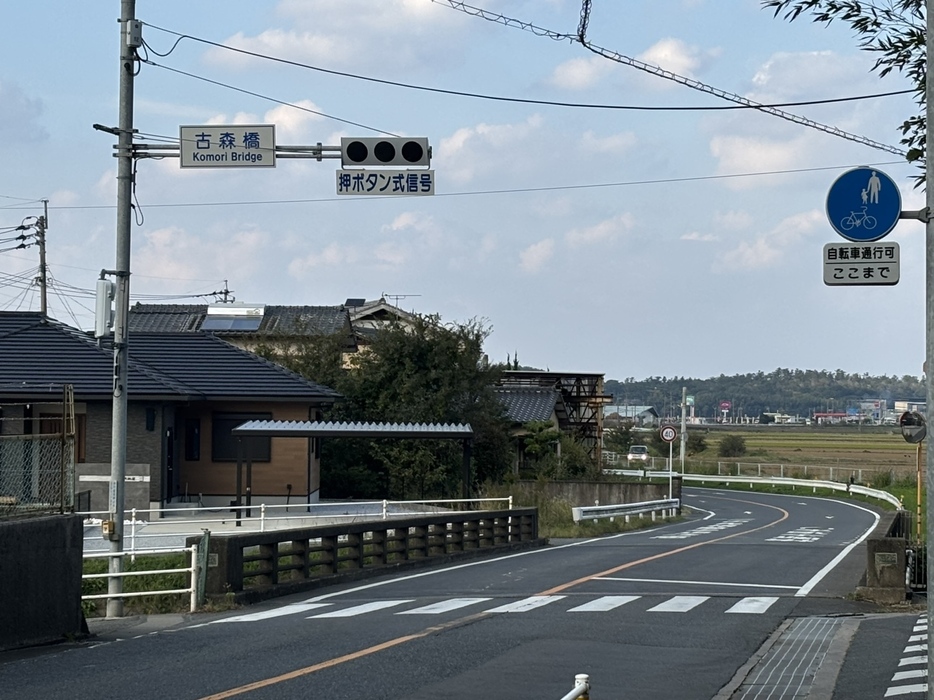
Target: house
column 525, row 405
column 245, row 325
column 583, row 399
column 639, row 416
column 186, row 392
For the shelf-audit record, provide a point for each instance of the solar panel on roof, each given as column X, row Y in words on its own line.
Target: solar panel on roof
column 231, row 323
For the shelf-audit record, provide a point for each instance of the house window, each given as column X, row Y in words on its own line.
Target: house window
column 224, row 442
column 51, row 424
column 192, row 439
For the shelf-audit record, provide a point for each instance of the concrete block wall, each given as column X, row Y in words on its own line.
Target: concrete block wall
column 40, row 580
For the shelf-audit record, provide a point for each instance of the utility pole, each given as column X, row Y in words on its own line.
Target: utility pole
column 130, row 40
column 929, row 313
column 684, row 425
column 41, row 226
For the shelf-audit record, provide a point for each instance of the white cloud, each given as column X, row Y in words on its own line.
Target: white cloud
column 675, row 56
column 352, row 34
column 732, row 220
column 697, row 236
column 768, row 250
column 602, row 232
column 533, row 258
column 331, row 254
column 293, row 125
column 471, row 152
column 580, row 73
column 612, row 144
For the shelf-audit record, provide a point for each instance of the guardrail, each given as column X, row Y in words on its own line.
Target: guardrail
column 193, row 571
column 259, row 565
column 172, row 523
column 814, row 484
column 667, row 507
column 805, row 483
column 581, row 688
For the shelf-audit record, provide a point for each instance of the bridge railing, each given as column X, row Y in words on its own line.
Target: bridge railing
column 581, row 689
column 258, row 565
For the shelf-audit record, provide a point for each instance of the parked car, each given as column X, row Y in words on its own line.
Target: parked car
column 638, row 453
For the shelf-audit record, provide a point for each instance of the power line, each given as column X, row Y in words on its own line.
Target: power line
column 482, row 96
column 657, row 71
column 515, row 190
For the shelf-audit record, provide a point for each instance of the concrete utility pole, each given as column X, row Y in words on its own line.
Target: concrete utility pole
column 130, row 40
column 41, row 226
column 684, row 424
column 929, row 316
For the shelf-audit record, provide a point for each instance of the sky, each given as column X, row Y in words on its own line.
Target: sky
column 675, row 242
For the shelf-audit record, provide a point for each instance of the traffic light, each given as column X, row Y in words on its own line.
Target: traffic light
column 384, row 150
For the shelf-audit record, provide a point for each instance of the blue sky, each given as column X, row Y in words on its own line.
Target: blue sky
column 634, row 243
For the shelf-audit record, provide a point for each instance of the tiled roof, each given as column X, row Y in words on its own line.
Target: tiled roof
column 38, row 356
column 277, row 320
column 525, row 405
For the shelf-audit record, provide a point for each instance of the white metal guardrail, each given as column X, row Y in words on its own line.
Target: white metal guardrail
column 667, row 507
column 803, row 483
column 581, row 688
column 727, row 479
column 193, row 572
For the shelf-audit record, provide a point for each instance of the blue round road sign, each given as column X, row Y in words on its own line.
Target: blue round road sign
column 863, row 205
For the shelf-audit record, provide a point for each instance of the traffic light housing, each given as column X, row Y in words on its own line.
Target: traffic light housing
column 393, row 151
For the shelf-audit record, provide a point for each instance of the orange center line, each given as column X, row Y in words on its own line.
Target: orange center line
column 353, row 656
column 662, row 555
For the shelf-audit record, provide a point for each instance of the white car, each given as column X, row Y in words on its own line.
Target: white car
column 638, row 453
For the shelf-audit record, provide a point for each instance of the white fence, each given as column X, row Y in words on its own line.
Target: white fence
column 193, row 572
column 148, row 528
column 581, row 688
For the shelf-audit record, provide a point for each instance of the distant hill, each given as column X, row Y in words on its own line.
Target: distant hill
column 792, row 391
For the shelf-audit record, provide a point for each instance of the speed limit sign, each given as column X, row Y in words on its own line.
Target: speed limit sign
column 668, row 433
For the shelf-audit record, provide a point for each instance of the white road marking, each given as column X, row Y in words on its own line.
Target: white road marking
column 695, row 583
column 906, row 690
column 905, row 675
column 607, row 602
column 361, row 609
column 915, row 648
column 754, row 605
column 680, row 603
column 912, row 660
column 444, row 606
column 535, row 601
column 292, row 609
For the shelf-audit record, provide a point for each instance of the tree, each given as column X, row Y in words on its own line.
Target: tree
column 732, row 446
column 895, row 32
column 696, row 443
column 425, row 372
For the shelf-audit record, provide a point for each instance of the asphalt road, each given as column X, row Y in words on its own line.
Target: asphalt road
column 671, row 612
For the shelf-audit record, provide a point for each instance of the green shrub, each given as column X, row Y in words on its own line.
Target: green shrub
column 732, row 446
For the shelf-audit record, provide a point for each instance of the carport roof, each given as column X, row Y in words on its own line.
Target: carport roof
column 284, row 428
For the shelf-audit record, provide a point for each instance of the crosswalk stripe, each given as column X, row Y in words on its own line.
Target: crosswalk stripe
column 535, row 601
column 680, row 603
column 912, row 660
column 914, row 648
column 905, row 675
column 753, row 605
column 274, row 612
column 360, row 609
column 906, row 690
column 443, row 606
column 917, row 637
column 607, row 602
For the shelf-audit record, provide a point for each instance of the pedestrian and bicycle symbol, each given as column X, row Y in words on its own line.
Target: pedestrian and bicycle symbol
column 863, row 205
